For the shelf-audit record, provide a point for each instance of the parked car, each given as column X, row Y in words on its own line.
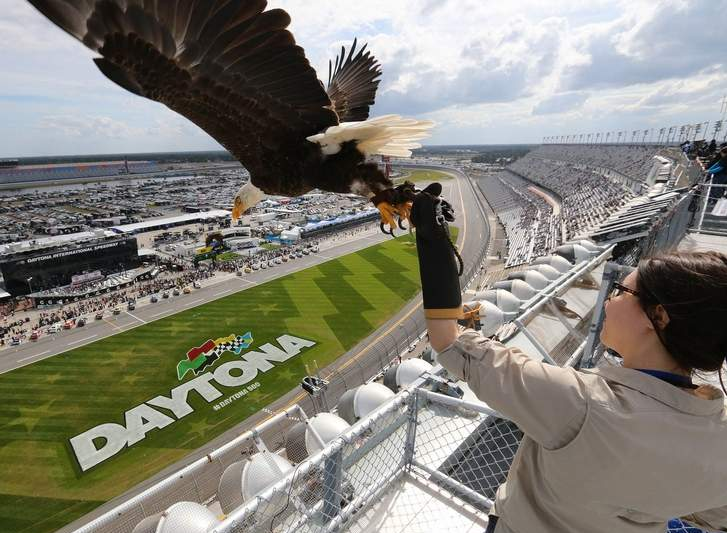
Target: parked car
column 285, row 259
column 306, row 251
column 54, row 328
column 35, row 335
column 186, row 290
column 264, row 265
column 238, row 273
column 130, row 306
column 278, row 261
column 154, row 298
column 196, row 285
column 15, row 341
column 116, row 311
column 248, row 270
column 176, row 292
column 80, row 322
column 99, row 315
column 68, row 324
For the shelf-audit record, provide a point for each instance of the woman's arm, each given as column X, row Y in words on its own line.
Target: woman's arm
column 547, row 402
column 442, row 333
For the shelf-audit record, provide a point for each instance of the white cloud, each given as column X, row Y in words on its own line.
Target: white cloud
column 89, row 127
column 560, row 103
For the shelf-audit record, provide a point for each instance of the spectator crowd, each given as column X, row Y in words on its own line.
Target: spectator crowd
column 587, row 197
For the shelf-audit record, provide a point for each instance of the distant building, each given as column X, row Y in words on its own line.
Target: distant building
column 32, row 268
column 27, row 173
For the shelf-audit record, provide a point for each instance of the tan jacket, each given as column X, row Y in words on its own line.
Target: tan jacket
column 609, row 450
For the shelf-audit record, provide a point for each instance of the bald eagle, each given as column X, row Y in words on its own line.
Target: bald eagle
column 232, row 68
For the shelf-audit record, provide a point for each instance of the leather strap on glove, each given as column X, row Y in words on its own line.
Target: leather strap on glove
column 439, row 268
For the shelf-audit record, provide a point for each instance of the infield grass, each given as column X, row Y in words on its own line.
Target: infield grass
column 423, row 175
column 335, row 304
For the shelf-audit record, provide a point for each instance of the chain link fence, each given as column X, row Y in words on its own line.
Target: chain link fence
column 463, row 449
column 666, row 232
column 418, row 435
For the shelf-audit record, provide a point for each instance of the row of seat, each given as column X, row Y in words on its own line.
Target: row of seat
column 634, row 161
column 587, row 198
column 531, row 227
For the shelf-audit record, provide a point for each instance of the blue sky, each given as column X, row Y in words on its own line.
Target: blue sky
column 485, row 71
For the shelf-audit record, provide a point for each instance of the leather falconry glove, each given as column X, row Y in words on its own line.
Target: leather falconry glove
column 439, row 263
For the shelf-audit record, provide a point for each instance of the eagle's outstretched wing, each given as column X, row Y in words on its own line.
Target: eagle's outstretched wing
column 352, row 84
column 229, row 66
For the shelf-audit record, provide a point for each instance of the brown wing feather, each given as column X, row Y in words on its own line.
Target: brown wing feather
column 229, row 66
column 352, row 84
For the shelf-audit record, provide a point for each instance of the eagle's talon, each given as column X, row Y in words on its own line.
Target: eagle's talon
column 385, row 231
column 387, row 212
column 404, row 212
column 399, row 224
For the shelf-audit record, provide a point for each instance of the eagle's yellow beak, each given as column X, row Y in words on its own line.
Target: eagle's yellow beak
column 238, row 208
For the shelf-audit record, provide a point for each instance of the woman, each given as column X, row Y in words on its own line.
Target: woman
column 617, row 449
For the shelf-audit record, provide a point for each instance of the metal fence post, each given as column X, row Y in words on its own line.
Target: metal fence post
column 332, row 479
column 411, row 430
column 706, row 201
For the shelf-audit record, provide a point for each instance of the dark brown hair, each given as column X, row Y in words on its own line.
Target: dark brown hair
column 692, row 288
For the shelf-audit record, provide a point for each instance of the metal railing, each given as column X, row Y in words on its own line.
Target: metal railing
column 414, row 435
column 464, row 449
column 666, row 232
column 707, row 195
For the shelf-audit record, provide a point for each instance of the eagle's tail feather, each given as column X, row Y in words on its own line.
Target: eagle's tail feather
column 389, row 135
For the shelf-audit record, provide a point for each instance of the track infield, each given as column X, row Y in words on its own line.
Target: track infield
column 44, row 405
column 416, row 176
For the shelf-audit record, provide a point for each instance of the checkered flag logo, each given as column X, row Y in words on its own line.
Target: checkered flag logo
column 201, row 357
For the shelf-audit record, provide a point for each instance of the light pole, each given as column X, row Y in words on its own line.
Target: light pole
column 717, row 127
column 29, row 285
column 398, row 346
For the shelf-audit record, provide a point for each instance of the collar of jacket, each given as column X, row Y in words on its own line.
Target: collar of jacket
column 664, row 392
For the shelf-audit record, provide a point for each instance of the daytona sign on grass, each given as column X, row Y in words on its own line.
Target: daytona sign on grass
column 102, row 442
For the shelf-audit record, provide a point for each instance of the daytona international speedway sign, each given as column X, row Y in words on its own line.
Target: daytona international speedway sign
column 102, row 442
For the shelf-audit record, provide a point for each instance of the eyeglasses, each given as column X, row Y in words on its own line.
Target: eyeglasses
column 617, row 289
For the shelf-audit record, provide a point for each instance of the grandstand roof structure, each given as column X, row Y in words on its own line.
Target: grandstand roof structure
column 51, row 166
column 178, row 220
column 53, row 241
column 61, row 171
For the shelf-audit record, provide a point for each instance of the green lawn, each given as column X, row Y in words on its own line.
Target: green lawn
column 228, row 256
column 423, row 175
column 43, row 405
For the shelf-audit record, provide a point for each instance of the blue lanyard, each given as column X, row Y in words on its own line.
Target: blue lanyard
column 674, row 379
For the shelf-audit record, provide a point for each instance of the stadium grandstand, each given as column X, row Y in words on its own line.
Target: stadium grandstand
column 609, row 193
column 51, row 262
column 531, row 225
column 31, row 173
column 27, row 269
column 397, row 444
